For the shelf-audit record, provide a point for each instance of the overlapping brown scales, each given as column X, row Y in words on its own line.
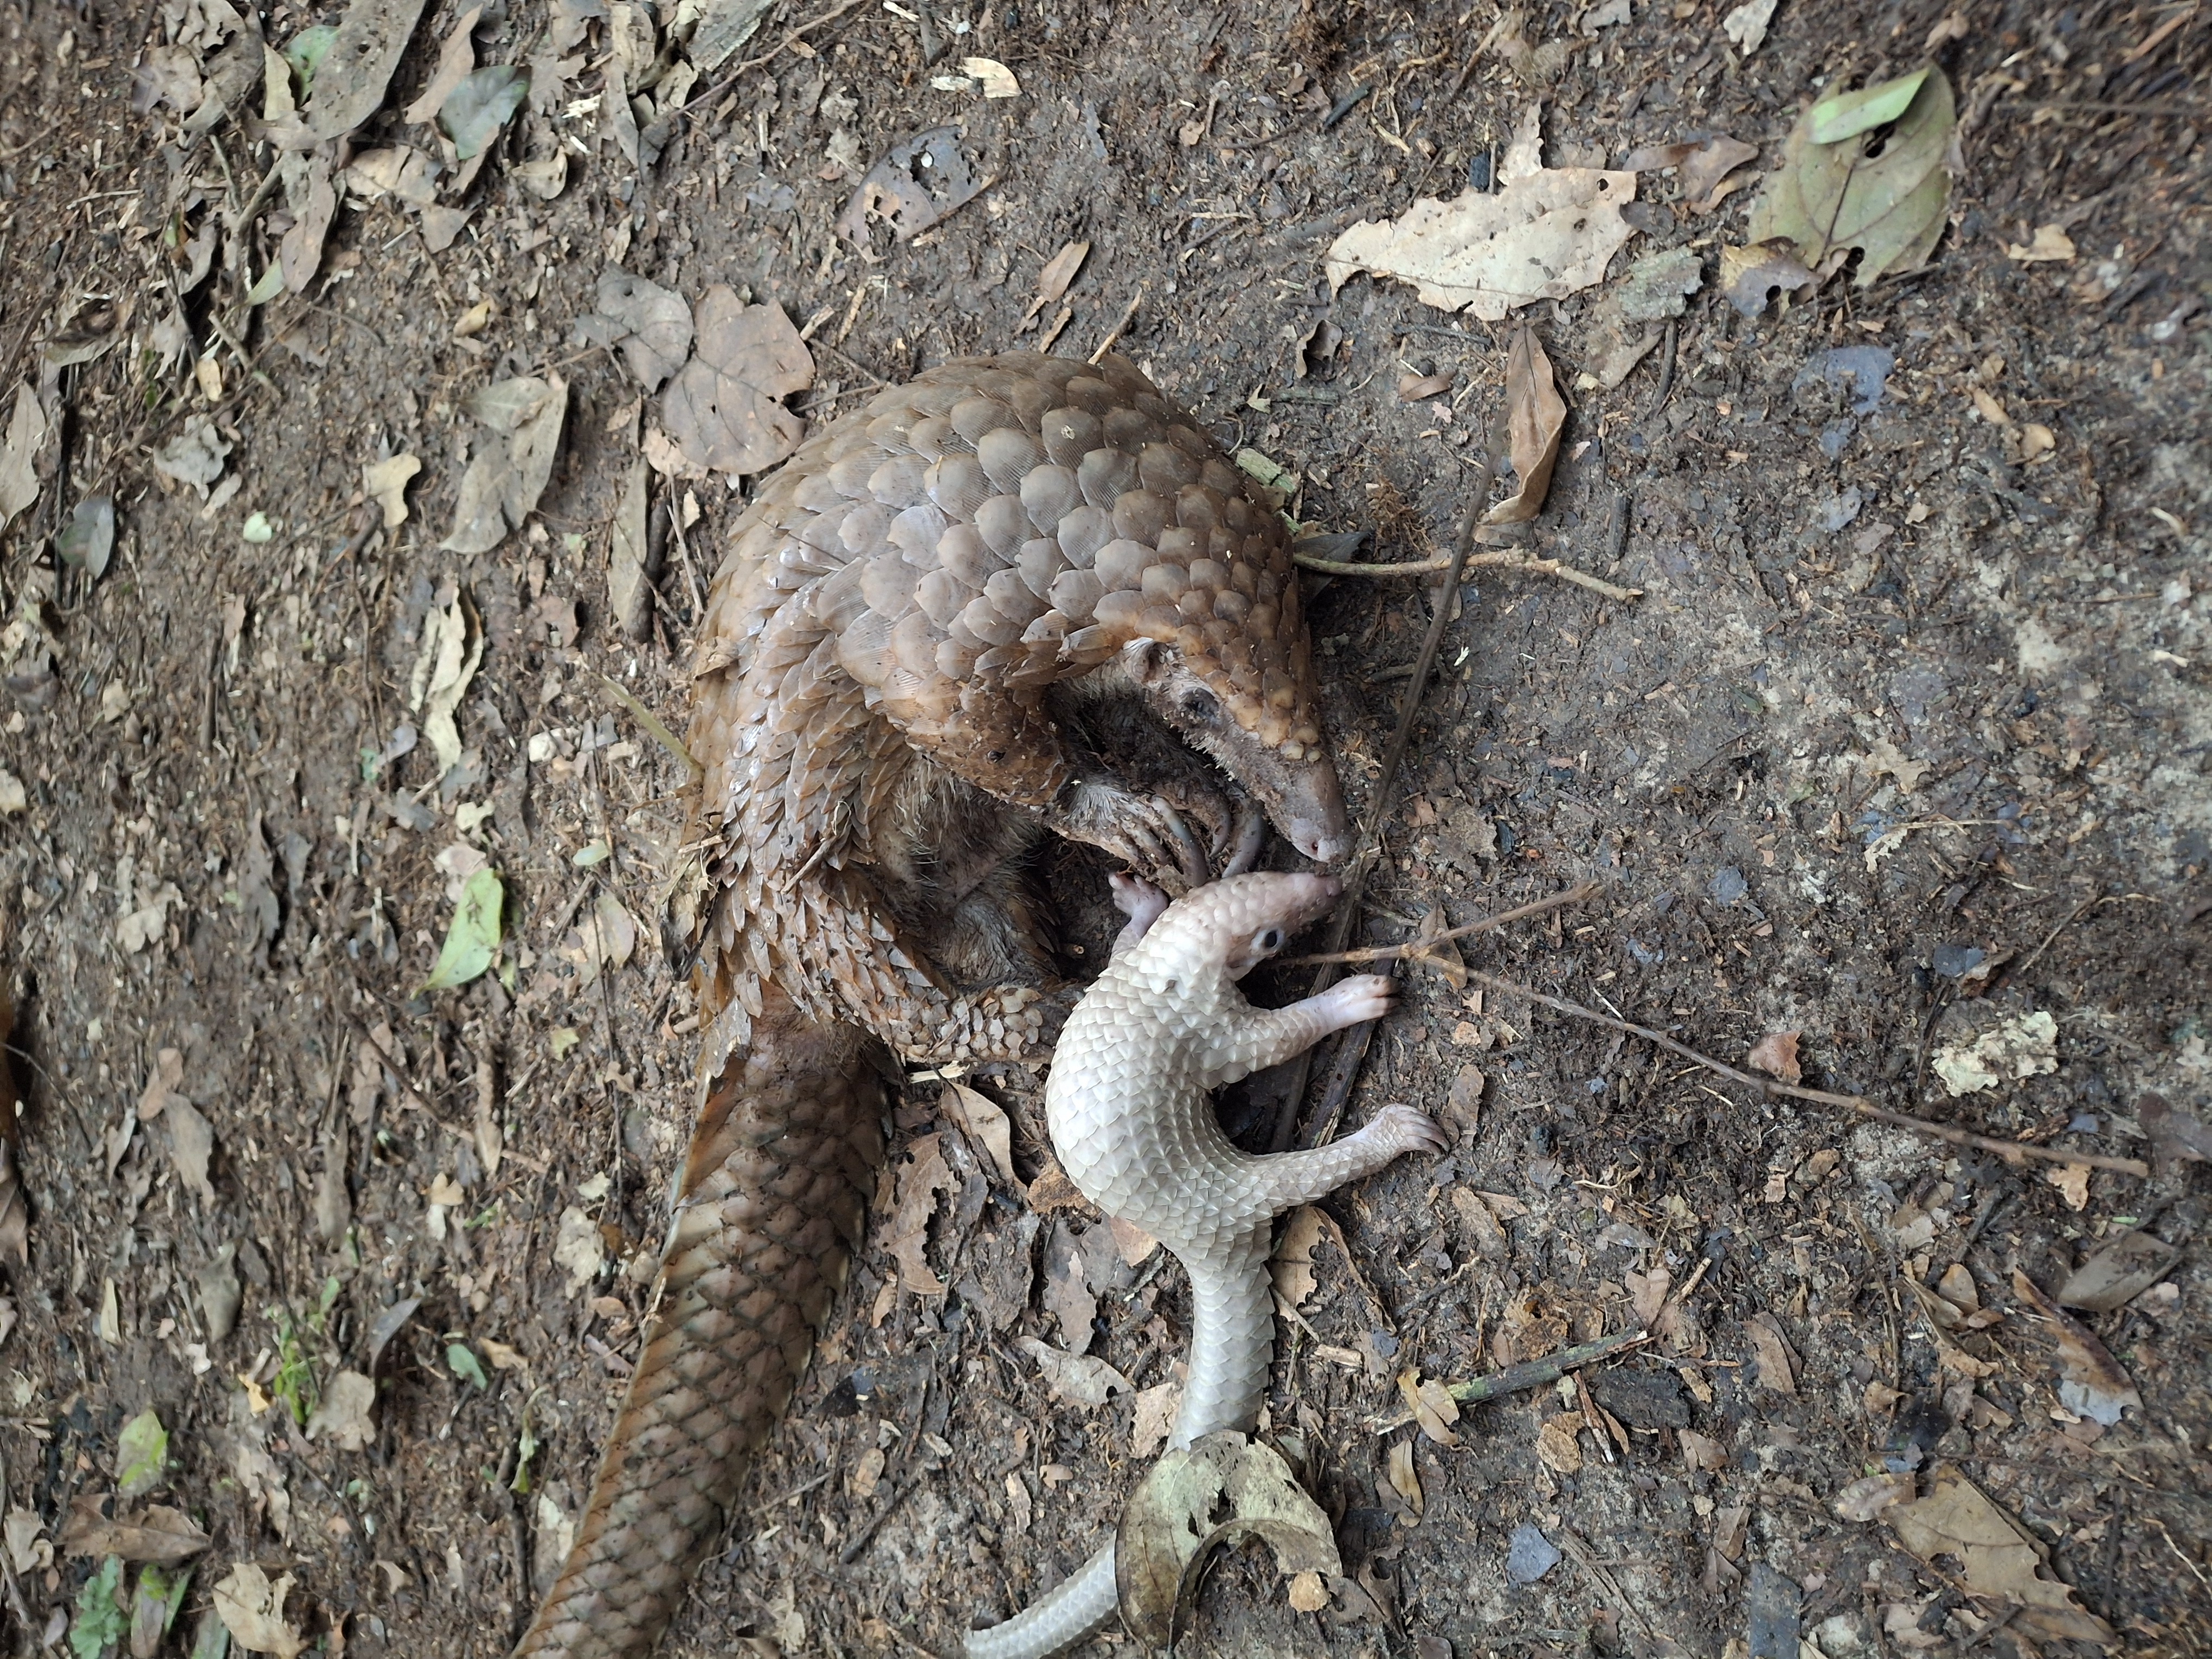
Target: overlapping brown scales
column 773, row 1197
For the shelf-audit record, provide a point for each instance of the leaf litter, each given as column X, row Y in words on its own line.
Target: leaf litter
column 725, row 411
column 1998, row 1559
column 518, row 437
column 1546, row 232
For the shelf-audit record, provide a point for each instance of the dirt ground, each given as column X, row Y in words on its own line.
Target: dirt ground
column 1906, row 741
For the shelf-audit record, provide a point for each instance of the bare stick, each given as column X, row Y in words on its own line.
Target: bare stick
column 1505, row 559
column 621, row 698
column 2012, row 1151
column 1529, row 1374
column 1128, row 315
column 1415, row 947
column 1370, row 847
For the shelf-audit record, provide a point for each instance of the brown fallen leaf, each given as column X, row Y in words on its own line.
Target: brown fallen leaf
column 1432, row 1406
column 1399, row 1468
column 1776, row 1055
column 1864, row 1499
column 725, row 408
column 1067, row 1298
column 251, row 1609
column 1544, row 233
column 1053, row 281
column 905, row 1231
column 456, row 58
column 1430, row 951
column 1535, row 415
column 1478, row 1225
column 1072, row 1378
column 2092, row 1383
column 158, row 1533
column 1705, row 175
column 1558, row 1443
column 920, row 182
column 1418, row 388
column 2120, row 1271
column 1701, row 1451
column 1777, row 1367
column 2175, row 1132
column 1133, row 1242
column 1292, row 1263
column 1751, row 277
column 2072, row 1181
column 1999, row 1559
column 518, row 435
column 1154, row 1414
column 984, row 1121
column 1169, row 1532
column 1052, row 1190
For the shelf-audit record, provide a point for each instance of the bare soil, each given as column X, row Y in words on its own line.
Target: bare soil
column 1890, row 696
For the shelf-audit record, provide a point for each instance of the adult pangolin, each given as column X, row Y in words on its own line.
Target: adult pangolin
column 918, row 621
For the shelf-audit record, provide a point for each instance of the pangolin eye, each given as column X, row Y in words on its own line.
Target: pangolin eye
column 1199, row 705
column 1271, row 939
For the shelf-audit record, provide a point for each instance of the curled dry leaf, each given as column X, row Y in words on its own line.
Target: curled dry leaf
column 1999, row 1559
column 1293, row 1264
column 1433, row 1408
column 1403, row 1480
column 1777, row 1367
column 1535, row 415
column 452, row 648
column 385, row 484
column 630, row 564
column 992, row 77
column 1168, row 1533
column 1865, row 172
column 725, row 408
column 1546, row 232
column 1705, row 175
column 158, row 1533
column 1776, row 1055
column 1154, row 1411
column 2091, row 1382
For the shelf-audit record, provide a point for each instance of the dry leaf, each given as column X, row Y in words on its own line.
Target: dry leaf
column 1746, row 24
column 630, row 564
column 517, row 437
column 1133, row 1242
column 342, row 1412
column 2122, row 1269
column 1777, row 1365
column 1168, row 1531
column 994, row 77
column 725, row 408
column 1432, row 1406
column 1052, row 281
column 158, row 1533
column 2024, row 1045
column 251, row 1609
column 1403, row 1481
column 1546, row 232
column 384, row 482
column 1292, row 1263
column 2072, row 1181
column 1703, row 178
column 1155, row 1414
column 1071, row 1378
column 578, row 1249
column 371, row 39
column 650, row 323
column 1479, row 1226
column 984, row 1121
column 2050, row 242
column 1864, row 1499
column 904, row 1233
column 1776, row 1055
column 1701, row 1451
column 1751, row 276
column 1067, row 1297
column 1558, row 1443
column 2092, row 1383
column 912, row 187
column 452, row 647
column 1647, row 1293
column 455, row 60
column 1999, row 1559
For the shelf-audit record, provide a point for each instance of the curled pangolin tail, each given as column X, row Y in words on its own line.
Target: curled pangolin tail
column 774, row 1195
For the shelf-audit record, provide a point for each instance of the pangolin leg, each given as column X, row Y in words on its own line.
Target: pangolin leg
column 773, row 1201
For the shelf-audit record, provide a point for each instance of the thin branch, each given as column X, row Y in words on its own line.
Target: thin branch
column 621, row 698
column 2011, row 1150
column 1505, row 559
column 1363, row 858
column 1529, row 1374
column 1415, row 947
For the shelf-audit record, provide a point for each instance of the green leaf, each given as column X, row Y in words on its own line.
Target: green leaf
column 477, row 108
column 306, row 50
column 141, row 1454
column 473, row 939
column 1846, row 114
column 100, row 1622
column 465, row 1365
column 154, row 1609
column 271, row 284
column 258, row 528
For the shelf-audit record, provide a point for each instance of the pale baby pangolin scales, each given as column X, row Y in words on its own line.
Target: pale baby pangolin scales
column 1130, row 1108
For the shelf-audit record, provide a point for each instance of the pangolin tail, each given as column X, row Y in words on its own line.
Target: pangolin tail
column 773, row 1199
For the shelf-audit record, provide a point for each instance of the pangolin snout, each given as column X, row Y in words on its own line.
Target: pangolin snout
column 1313, row 817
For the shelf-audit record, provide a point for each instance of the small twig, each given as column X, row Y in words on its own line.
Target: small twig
column 654, row 726
column 859, row 1540
column 1363, row 857
column 1666, row 372
column 1416, row 948
column 1506, row 558
column 1114, row 333
column 1529, row 1374
column 2015, row 970
column 2011, row 1150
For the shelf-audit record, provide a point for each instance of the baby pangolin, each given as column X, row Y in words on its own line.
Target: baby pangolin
column 1129, row 1104
column 919, row 620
